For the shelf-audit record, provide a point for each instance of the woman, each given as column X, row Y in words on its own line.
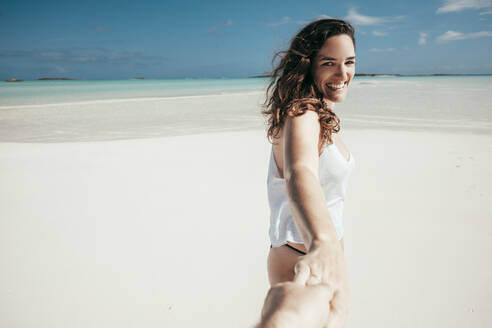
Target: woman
column 309, row 163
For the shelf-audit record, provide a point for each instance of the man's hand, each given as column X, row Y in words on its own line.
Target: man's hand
column 325, row 263
column 292, row 305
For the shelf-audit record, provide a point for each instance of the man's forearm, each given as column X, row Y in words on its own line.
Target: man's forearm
column 281, row 319
column 291, row 305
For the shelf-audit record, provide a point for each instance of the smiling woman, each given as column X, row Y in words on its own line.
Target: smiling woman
column 322, row 52
column 307, row 177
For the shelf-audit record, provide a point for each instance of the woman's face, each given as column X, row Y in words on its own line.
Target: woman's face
column 334, row 67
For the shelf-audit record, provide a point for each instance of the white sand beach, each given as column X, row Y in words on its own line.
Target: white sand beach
column 107, row 219
column 173, row 231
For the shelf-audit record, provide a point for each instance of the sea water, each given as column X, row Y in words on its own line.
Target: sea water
column 452, row 103
column 69, row 91
column 80, row 110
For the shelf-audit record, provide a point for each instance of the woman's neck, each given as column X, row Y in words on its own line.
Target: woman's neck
column 329, row 104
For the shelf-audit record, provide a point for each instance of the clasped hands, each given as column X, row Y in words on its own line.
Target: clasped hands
column 318, row 295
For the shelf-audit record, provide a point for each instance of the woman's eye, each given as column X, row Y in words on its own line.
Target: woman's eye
column 327, row 64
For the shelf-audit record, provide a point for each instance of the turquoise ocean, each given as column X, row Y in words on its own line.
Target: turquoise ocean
column 79, row 110
column 67, row 91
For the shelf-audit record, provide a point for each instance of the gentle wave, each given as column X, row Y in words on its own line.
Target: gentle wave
column 403, row 122
column 125, row 100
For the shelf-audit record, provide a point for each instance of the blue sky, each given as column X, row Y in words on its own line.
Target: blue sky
column 167, row 39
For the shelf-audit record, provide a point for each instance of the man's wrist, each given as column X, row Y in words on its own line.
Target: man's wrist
column 281, row 319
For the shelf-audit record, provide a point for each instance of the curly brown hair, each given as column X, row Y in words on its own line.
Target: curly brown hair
column 292, row 90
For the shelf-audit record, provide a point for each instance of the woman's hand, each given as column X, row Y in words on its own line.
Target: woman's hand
column 325, row 263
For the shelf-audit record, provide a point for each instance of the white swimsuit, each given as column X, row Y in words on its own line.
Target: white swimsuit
column 334, row 171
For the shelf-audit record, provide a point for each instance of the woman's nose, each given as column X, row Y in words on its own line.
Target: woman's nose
column 342, row 70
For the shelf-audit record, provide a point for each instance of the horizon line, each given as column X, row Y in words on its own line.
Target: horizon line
column 225, row 77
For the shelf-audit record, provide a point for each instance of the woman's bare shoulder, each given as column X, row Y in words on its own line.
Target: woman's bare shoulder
column 301, row 142
column 305, row 125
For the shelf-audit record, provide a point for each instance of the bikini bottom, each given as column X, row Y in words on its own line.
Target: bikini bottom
column 295, row 249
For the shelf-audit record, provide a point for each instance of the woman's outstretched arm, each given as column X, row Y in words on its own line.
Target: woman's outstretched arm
column 324, row 261
column 301, row 173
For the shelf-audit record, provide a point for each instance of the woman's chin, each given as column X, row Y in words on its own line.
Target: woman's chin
column 335, row 98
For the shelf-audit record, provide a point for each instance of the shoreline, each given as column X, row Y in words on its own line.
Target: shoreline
column 439, row 129
column 124, row 100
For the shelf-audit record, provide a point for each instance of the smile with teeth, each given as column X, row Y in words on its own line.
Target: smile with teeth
column 336, row 86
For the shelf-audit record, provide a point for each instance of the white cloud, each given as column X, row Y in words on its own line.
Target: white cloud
column 379, row 33
column 459, row 5
column 488, row 12
column 422, row 38
column 288, row 20
column 358, row 19
column 382, row 49
column 217, row 30
column 52, row 54
column 59, row 69
column 213, row 30
column 101, row 28
column 284, row 20
column 82, row 55
column 453, row 36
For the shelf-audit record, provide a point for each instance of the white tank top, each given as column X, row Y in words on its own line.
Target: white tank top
column 334, row 171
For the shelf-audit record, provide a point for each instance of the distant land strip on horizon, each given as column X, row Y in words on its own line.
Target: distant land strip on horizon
column 254, row 76
column 378, row 74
